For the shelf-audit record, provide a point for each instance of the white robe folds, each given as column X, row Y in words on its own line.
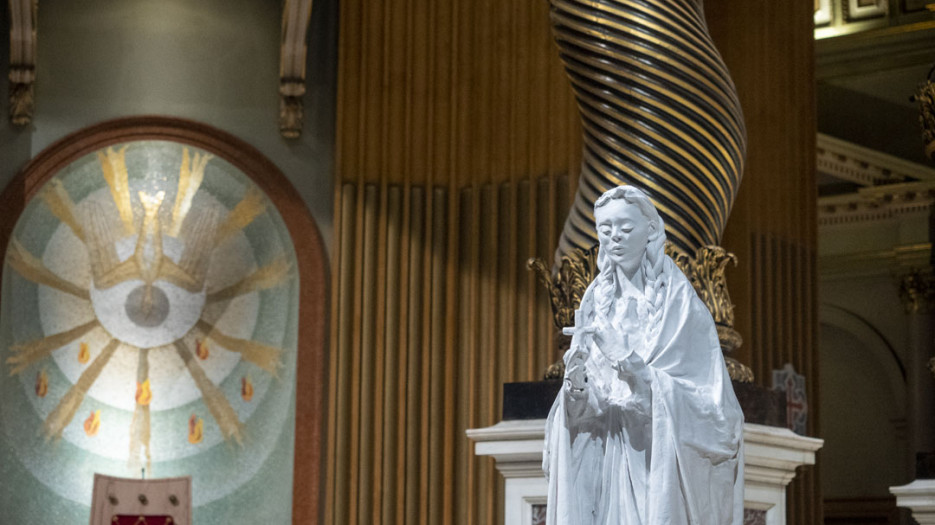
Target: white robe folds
column 675, row 458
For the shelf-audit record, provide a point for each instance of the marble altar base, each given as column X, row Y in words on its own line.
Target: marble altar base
column 772, row 454
column 919, row 497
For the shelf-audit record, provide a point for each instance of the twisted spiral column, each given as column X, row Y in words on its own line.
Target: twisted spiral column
column 659, row 111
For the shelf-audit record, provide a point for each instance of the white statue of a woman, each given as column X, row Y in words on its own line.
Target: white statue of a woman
column 646, row 429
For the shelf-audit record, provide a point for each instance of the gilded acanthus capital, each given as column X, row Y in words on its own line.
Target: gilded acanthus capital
column 917, row 292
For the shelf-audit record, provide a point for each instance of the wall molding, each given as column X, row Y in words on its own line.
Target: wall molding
column 865, row 166
column 874, row 50
column 891, row 187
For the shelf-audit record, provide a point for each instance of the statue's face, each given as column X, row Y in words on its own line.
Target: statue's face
column 623, row 232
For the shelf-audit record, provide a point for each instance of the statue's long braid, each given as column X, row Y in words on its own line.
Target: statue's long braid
column 652, row 266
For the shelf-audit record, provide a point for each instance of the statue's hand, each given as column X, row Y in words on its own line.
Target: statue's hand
column 575, row 373
column 635, row 372
column 613, row 344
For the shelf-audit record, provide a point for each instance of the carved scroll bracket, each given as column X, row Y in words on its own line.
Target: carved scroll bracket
column 22, row 60
column 295, row 19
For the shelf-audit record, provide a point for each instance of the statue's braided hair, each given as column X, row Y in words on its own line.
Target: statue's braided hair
column 653, row 259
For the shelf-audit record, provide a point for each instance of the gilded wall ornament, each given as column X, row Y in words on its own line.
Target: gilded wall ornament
column 926, row 99
column 917, row 292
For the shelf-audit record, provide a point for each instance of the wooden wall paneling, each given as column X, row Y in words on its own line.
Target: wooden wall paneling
column 435, row 393
column 435, row 344
column 369, row 360
column 390, row 469
column 458, row 89
column 769, row 50
column 467, row 393
column 412, row 416
column 405, row 276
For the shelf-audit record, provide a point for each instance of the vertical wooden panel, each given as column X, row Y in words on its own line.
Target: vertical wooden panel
column 441, row 328
column 390, row 452
column 466, row 87
column 769, row 49
column 413, row 415
column 458, row 144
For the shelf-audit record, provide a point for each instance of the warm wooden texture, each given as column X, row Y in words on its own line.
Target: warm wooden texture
column 456, row 127
column 306, row 239
column 769, row 49
column 434, row 312
column 452, row 93
column 456, row 134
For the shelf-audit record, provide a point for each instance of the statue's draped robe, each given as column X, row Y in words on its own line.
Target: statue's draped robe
column 614, row 460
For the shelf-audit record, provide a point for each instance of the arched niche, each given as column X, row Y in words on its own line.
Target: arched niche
column 189, row 143
column 863, row 409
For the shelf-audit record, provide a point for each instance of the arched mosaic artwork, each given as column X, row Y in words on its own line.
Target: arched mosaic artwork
column 149, row 325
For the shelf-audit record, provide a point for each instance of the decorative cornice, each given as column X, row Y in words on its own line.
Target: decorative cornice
column 874, row 50
column 864, row 166
column 880, row 262
column 876, row 203
column 22, row 73
column 295, row 18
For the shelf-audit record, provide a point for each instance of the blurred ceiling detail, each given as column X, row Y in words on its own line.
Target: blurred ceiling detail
column 844, row 17
column 866, row 79
column 865, row 167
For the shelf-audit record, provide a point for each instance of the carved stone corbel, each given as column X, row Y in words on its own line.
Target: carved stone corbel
column 295, row 19
column 22, row 60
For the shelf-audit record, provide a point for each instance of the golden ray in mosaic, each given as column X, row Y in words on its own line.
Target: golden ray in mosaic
column 199, row 245
column 63, row 413
column 31, row 352
column 191, row 173
column 60, row 204
column 214, row 399
column 140, row 424
column 250, row 207
column 100, row 241
column 32, row 269
column 268, row 276
column 114, row 167
column 263, row 356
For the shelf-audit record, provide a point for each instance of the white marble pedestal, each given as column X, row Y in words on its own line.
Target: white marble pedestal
column 771, row 453
column 919, row 497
